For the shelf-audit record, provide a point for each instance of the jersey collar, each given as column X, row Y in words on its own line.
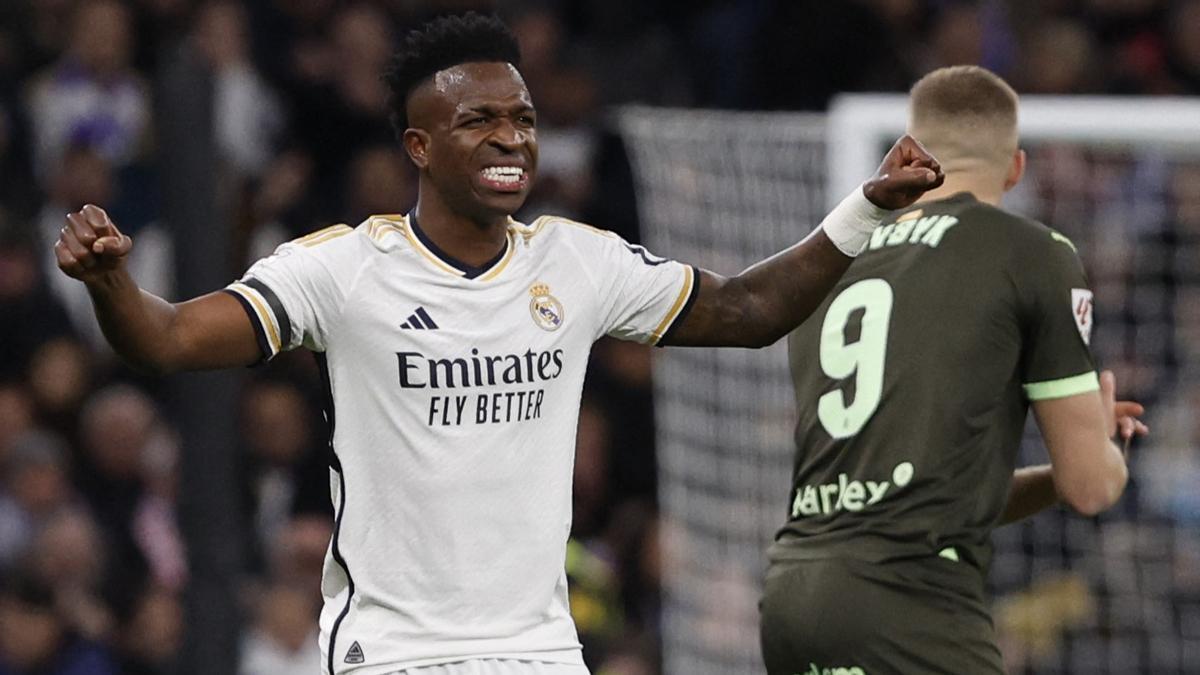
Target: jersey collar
column 448, row 263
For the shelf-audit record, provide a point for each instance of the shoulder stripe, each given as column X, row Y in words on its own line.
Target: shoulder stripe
column 263, row 314
column 322, row 236
column 1067, row 386
column 539, row 224
column 683, row 303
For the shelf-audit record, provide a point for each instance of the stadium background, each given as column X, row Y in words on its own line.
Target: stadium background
column 214, row 130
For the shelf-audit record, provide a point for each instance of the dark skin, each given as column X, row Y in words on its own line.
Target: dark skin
column 463, row 120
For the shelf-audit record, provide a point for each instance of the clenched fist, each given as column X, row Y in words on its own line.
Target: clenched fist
column 90, row 246
column 907, row 172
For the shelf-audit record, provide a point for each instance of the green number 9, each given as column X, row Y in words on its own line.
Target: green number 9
column 864, row 359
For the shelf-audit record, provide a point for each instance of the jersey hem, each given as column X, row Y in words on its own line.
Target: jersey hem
column 1061, row 388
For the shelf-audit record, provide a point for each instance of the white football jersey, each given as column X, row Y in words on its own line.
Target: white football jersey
column 454, row 396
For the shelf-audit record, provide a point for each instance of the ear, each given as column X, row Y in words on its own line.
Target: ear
column 416, row 144
column 1016, row 169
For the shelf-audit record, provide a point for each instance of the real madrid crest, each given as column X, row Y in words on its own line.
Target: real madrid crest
column 546, row 310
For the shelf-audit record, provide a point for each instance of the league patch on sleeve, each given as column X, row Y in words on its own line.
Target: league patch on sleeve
column 1081, row 307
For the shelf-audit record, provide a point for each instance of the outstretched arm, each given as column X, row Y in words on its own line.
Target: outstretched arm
column 151, row 334
column 1033, row 488
column 769, row 299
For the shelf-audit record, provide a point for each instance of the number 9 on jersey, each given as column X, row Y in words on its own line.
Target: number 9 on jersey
column 864, row 358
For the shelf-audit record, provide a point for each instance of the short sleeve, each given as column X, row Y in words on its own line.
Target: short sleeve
column 1056, row 308
column 295, row 296
column 647, row 296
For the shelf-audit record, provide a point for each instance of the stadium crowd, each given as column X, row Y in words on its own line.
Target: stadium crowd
column 92, row 561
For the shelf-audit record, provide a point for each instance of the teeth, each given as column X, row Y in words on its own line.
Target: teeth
column 503, row 174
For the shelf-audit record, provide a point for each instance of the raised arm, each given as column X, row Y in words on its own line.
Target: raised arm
column 1087, row 471
column 772, row 297
column 151, row 334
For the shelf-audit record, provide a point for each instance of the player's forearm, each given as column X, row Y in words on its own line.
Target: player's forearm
column 1032, row 491
column 783, row 290
column 136, row 323
column 1098, row 488
column 766, row 301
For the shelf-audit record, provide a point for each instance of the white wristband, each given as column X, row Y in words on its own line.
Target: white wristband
column 850, row 224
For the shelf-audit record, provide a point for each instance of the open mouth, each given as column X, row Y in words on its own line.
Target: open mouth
column 504, row 178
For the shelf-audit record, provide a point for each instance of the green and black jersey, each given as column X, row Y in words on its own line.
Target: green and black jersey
column 914, row 377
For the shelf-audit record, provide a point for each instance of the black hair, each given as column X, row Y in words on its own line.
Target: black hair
column 443, row 43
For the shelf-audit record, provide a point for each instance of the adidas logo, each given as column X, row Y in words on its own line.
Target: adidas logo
column 420, row 320
column 355, row 654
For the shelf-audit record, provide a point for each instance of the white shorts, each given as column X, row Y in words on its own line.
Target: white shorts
column 498, row 667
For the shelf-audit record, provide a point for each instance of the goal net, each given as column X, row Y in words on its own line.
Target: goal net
column 1121, row 177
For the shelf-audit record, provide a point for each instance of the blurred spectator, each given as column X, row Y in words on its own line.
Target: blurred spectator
column 117, row 425
column 248, row 116
column 566, row 96
column 59, row 376
column 956, row 36
column 381, row 180
column 283, row 640
column 68, row 555
column 155, row 527
column 1183, row 56
column 35, row 486
column 16, row 417
column 91, row 96
column 34, row 639
column 591, row 491
column 297, row 554
column 150, row 636
column 32, row 315
column 1059, row 59
column 286, row 472
column 341, row 108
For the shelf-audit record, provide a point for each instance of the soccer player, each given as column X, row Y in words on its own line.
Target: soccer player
column 913, row 381
column 453, row 342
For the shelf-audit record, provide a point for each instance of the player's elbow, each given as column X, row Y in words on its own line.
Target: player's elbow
column 1098, row 494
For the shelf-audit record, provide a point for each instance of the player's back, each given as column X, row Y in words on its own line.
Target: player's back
column 909, row 383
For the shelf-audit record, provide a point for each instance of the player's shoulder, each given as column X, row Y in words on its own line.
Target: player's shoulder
column 557, row 228
column 557, row 234
column 340, row 247
column 1032, row 237
column 1024, row 235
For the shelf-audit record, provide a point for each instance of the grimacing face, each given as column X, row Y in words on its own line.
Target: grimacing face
column 473, row 133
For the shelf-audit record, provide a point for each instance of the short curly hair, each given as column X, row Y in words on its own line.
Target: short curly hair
column 443, row 43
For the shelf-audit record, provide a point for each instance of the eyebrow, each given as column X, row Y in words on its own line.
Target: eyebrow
column 489, row 109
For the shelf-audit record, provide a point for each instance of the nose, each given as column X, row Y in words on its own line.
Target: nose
column 508, row 137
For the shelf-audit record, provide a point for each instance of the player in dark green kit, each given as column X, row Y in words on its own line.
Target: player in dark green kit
column 913, row 380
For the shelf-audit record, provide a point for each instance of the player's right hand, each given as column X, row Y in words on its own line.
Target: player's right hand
column 90, row 246
column 907, row 172
column 1122, row 415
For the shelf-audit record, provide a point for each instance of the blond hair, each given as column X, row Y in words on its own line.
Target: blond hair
column 967, row 117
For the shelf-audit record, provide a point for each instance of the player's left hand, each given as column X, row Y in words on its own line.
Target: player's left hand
column 1122, row 415
column 907, row 172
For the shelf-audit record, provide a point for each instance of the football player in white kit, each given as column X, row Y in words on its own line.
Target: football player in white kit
column 453, row 341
